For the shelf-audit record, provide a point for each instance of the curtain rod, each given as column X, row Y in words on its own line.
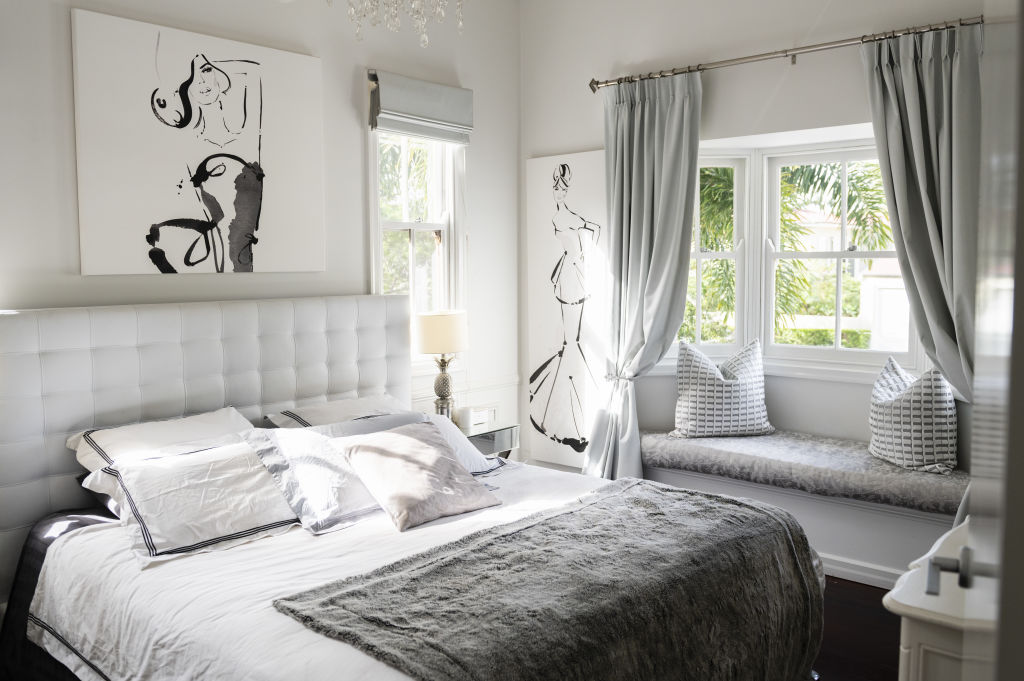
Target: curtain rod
column 791, row 53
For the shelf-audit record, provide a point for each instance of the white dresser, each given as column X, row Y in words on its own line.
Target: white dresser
column 946, row 637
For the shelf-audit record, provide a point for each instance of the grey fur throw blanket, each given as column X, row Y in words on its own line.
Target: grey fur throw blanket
column 635, row 580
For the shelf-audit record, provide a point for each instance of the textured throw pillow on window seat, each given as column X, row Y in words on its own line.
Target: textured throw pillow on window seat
column 719, row 401
column 913, row 420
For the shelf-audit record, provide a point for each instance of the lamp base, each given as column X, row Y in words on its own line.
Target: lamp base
column 444, row 406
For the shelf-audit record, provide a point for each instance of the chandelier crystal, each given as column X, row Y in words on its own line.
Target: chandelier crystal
column 390, row 12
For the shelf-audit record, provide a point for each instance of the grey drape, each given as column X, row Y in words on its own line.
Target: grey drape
column 651, row 139
column 926, row 111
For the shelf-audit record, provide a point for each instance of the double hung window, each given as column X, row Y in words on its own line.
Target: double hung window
column 414, row 202
column 831, row 267
column 794, row 247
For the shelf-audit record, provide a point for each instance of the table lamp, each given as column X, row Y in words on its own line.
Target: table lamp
column 442, row 333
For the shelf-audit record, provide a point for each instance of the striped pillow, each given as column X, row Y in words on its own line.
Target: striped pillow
column 191, row 503
column 336, row 411
column 721, row 401
column 913, row 421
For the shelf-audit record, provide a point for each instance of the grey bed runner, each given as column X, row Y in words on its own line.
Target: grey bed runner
column 633, row 581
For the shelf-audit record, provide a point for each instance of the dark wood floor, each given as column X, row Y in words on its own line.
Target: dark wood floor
column 862, row 639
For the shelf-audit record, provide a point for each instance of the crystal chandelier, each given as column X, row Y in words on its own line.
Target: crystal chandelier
column 389, row 13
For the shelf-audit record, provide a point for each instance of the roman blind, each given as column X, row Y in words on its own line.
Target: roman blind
column 415, row 107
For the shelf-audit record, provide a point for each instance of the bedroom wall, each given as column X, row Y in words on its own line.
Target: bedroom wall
column 565, row 44
column 39, row 261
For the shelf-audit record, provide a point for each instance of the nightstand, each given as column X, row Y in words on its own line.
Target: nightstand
column 491, row 440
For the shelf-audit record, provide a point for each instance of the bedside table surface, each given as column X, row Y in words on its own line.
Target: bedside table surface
column 495, row 439
column 473, row 431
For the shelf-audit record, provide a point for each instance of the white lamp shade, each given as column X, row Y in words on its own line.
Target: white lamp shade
column 442, row 333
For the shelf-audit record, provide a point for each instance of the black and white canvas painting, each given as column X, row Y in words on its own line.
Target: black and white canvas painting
column 566, row 213
column 195, row 154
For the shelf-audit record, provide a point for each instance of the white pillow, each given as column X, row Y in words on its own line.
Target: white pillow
column 316, row 480
column 412, row 473
column 368, row 424
column 913, row 421
column 363, row 415
column 336, row 411
column 717, row 401
column 191, row 503
column 95, row 449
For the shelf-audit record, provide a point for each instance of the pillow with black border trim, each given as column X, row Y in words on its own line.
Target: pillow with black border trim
column 336, row 411
column 206, row 500
column 100, row 447
column 466, row 453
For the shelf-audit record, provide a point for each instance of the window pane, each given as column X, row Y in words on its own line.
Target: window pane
column 429, row 271
column 395, row 262
column 805, row 302
column 410, row 178
column 717, row 192
column 876, row 313
column 718, row 301
column 688, row 331
column 810, row 207
column 389, row 174
column 423, row 185
column 867, row 214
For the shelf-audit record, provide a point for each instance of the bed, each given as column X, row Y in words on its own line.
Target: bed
column 220, row 614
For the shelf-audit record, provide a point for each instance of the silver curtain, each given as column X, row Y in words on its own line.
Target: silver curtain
column 926, row 111
column 651, row 138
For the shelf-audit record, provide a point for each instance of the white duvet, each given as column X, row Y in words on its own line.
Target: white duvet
column 210, row 616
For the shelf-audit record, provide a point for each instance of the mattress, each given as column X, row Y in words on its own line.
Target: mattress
column 210, row 615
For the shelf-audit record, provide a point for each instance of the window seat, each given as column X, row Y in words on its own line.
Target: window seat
column 818, row 465
column 866, row 518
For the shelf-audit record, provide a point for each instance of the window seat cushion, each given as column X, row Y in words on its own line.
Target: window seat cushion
column 818, row 465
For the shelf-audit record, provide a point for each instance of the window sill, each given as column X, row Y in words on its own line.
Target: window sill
column 832, row 372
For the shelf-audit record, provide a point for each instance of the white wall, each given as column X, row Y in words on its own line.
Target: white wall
column 567, row 43
column 39, row 265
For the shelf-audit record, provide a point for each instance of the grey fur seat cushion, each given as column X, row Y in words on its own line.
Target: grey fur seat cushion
column 818, row 465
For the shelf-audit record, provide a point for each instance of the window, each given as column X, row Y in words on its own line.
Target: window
column 793, row 246
column 414, row 197
column 712, row 303
column 833, row 275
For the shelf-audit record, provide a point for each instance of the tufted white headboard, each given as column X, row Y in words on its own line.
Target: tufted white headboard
column 66, row 370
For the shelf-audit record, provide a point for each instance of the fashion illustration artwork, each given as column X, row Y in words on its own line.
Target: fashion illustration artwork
column 206, row 157
column 219, row 106
column 564, row 379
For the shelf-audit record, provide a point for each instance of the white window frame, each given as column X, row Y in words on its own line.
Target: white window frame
column 738, row 254
column 794, row 360
column 449, row 225
column 756, row 230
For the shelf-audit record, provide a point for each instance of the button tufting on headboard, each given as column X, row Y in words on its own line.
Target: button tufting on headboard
column 66, row 370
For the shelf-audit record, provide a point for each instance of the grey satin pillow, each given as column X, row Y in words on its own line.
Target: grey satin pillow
column 317, row 482
column 413, row 474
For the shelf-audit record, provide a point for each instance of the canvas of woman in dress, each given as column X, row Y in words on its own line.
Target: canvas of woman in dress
column 557, row 385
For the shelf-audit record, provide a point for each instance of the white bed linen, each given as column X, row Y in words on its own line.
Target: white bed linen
column 209, row 616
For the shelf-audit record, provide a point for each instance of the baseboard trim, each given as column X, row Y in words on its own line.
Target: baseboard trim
column 859, row 571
